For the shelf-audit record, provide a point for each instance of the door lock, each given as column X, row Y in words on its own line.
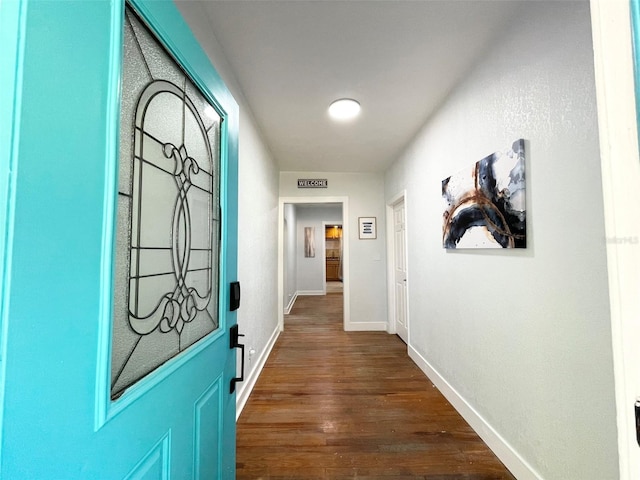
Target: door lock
column 637, row 409
column 234, row 342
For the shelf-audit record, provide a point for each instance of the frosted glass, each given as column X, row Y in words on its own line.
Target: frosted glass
column 156, row 60
column 196, row 329
column 151, row 151
column 202, row 181
column 201, row 224
column 200, row 257
column 156, row 205
column 168, row 228
column 148, row 287
column 135, row 75
column 163, row 118
column 208, row 114
column 200, row 280
column 150, row 350
column 197, row 145
column 153, row 261
column 123, row 337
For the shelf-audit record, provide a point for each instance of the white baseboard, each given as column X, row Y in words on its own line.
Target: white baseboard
column 298, row 293
column 252, row 378
column 505, row 452
column 366, row 327
column 310, row 292
column 288, row 308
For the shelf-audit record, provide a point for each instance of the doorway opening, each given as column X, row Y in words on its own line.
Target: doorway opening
column 333, row 257
column 313, row 251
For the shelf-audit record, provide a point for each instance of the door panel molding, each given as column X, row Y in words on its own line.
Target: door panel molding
column 103, row 369
column 208, row 411
column 144, row 385
column 156, row 463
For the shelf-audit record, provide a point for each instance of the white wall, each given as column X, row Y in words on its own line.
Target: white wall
column 615, row 86
column 520, row 340
column 367, row 260
column 310, row 274
column 257, row 212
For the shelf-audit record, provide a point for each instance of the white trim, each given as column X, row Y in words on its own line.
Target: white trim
column 366, row 327
column 505, row 452
column 291, row 303
column 324, row 258
column 250, row 381
column 391, row 295
column 345, row 253
column 300, row 293
column 615, row 94
column 391, row 314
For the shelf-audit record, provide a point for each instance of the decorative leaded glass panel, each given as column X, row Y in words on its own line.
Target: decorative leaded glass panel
column 168, row 225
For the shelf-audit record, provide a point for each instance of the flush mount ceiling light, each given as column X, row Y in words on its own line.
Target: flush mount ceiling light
column 344, row 109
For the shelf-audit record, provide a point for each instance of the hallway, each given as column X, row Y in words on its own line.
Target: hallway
column 331, row 404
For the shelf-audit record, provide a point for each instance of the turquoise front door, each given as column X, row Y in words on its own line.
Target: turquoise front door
column 100, row 379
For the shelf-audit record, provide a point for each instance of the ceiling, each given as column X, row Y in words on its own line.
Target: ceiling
column 399, row 59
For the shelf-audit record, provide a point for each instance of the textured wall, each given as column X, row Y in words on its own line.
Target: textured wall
column 257, row 208
column 367, row 258
column 523, row 336
column 309, row 271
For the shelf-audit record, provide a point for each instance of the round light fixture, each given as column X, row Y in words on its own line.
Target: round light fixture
column 344, row 109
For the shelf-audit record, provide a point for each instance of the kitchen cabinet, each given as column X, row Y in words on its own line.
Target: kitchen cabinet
column 333, row 270
column 333, row 233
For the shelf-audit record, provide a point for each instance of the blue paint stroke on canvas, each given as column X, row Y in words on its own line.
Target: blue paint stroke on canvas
column 485, row 205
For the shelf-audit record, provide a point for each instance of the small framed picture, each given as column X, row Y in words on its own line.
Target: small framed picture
column 367, row 228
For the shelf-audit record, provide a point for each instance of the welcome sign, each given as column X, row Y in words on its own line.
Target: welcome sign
column 312, row 183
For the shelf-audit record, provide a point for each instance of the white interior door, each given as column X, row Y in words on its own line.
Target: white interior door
column 400, row 271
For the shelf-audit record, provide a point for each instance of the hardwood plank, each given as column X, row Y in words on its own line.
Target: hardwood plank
column 331, row 404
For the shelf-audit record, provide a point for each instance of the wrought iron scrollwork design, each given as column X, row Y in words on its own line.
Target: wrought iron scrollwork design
column 168, row 202
column 180, row 306
column 168, row 227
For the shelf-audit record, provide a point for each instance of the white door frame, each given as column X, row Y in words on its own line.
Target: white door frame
column 324, row 258
column 615, row 91
column 344, row 201
column 391, row 264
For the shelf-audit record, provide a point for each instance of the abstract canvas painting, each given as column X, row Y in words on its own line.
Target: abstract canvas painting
column 485, row 204
column 309, row 242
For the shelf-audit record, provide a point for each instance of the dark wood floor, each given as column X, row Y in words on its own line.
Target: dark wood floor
column 334, row 405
